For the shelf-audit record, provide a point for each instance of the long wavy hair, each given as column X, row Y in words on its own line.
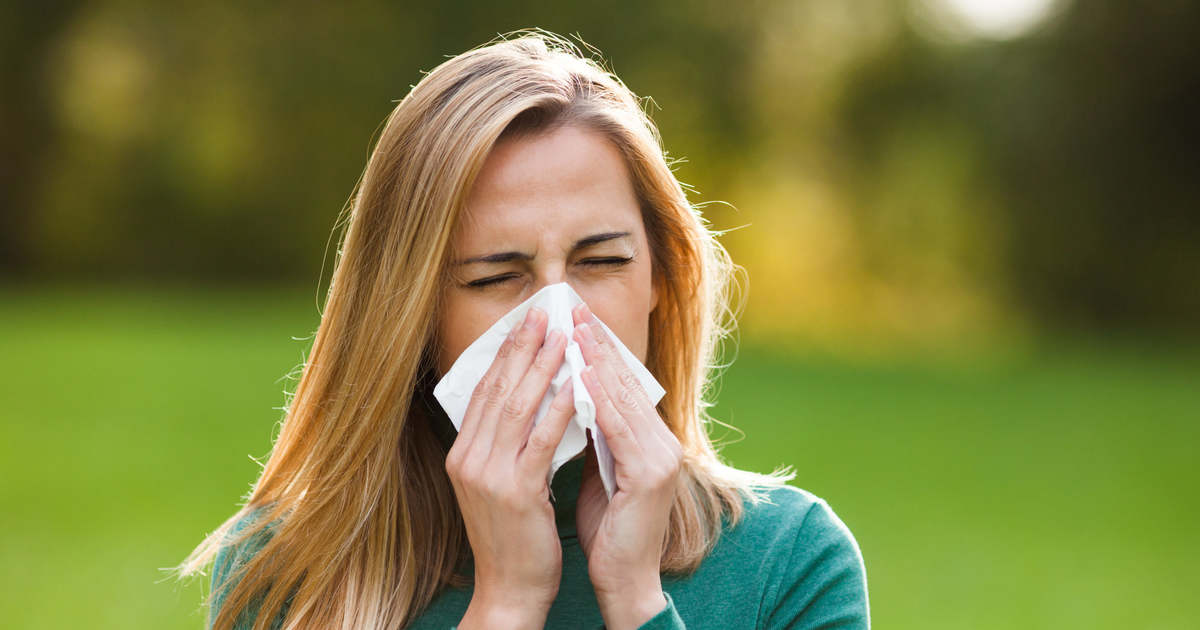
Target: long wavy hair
column 363, row 522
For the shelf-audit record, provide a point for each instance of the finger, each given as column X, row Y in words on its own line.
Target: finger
column 624, row 389
column 511, row 362
column 470, row 422
column 619, row 436
column 602, row 349
column 539, row 448
column 518, row 411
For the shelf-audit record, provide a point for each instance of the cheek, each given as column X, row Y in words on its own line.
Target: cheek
column 625, row 309
column 463, row 320
column 447, row 350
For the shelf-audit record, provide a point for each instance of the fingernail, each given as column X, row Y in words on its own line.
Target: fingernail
column 553, row 338
column 533, row 317
column 590, row 318
column 585, row 332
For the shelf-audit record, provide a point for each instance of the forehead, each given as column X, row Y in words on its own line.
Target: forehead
column 557, row 184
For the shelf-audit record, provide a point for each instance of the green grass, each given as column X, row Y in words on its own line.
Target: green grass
column 1047, row 490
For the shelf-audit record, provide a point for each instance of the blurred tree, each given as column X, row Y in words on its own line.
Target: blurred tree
column 28, row 31
column 1082, row 138
column 889, row 177
column 212, row 140
column 1094, row 136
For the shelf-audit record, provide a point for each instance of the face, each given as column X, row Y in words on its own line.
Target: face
column 553, row 207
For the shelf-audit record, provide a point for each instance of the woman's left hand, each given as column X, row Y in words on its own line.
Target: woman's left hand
column 623, row 537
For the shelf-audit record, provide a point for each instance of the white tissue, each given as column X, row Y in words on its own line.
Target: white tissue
column 454, row 390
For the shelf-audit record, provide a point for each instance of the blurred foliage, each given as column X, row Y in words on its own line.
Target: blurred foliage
column 1078, row 145
column 881, row 179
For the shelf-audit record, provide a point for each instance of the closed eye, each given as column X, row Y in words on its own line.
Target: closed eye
column 605, row 261
column 476, row 284
column 614, row 261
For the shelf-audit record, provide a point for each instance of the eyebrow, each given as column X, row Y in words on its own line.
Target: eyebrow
column 503, row 257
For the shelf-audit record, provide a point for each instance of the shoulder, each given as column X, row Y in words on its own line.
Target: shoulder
column 236, row 549
column 815, row 566
column 792, row 517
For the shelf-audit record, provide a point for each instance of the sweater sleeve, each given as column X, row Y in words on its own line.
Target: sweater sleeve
column 666, row 619
column 825, row 585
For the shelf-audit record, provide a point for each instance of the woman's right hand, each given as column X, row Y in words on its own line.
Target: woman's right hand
column 498, row 466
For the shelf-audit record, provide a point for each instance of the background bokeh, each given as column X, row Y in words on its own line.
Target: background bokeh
column 969, row 229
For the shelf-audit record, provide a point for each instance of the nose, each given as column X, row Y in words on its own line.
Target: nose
column 548, row 274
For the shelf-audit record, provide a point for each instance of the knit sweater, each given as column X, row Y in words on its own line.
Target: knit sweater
column 790, row 563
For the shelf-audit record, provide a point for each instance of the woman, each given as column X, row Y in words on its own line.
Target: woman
column 510, row 167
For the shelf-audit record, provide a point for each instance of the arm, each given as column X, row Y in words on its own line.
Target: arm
column 825, row 585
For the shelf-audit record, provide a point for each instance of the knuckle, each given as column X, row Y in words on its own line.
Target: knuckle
column 489, row 485
column 469, row 475
column 498, row 388
column 629, row 380
column 563, row 404
column 506, row 348
column 538, row 443
column 638, row 473
column 627, row 399
column 501, row 490
column 543, row 360
column 621, row 428
column 514, row 408
column 481, row 388
column 522, row 341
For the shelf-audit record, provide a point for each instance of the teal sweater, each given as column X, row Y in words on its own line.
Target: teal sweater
column 790, row 564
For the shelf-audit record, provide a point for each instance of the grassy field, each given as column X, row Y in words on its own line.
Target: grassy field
column 1047, row 490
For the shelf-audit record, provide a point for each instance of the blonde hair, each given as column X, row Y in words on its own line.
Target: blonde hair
column 365, row 528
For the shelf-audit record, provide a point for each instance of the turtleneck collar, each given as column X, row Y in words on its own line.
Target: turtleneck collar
column 564, row 489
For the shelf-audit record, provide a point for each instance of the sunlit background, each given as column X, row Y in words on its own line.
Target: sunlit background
column 969, row 231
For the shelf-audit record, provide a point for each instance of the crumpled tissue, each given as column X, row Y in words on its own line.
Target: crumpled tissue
column 454, row 389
